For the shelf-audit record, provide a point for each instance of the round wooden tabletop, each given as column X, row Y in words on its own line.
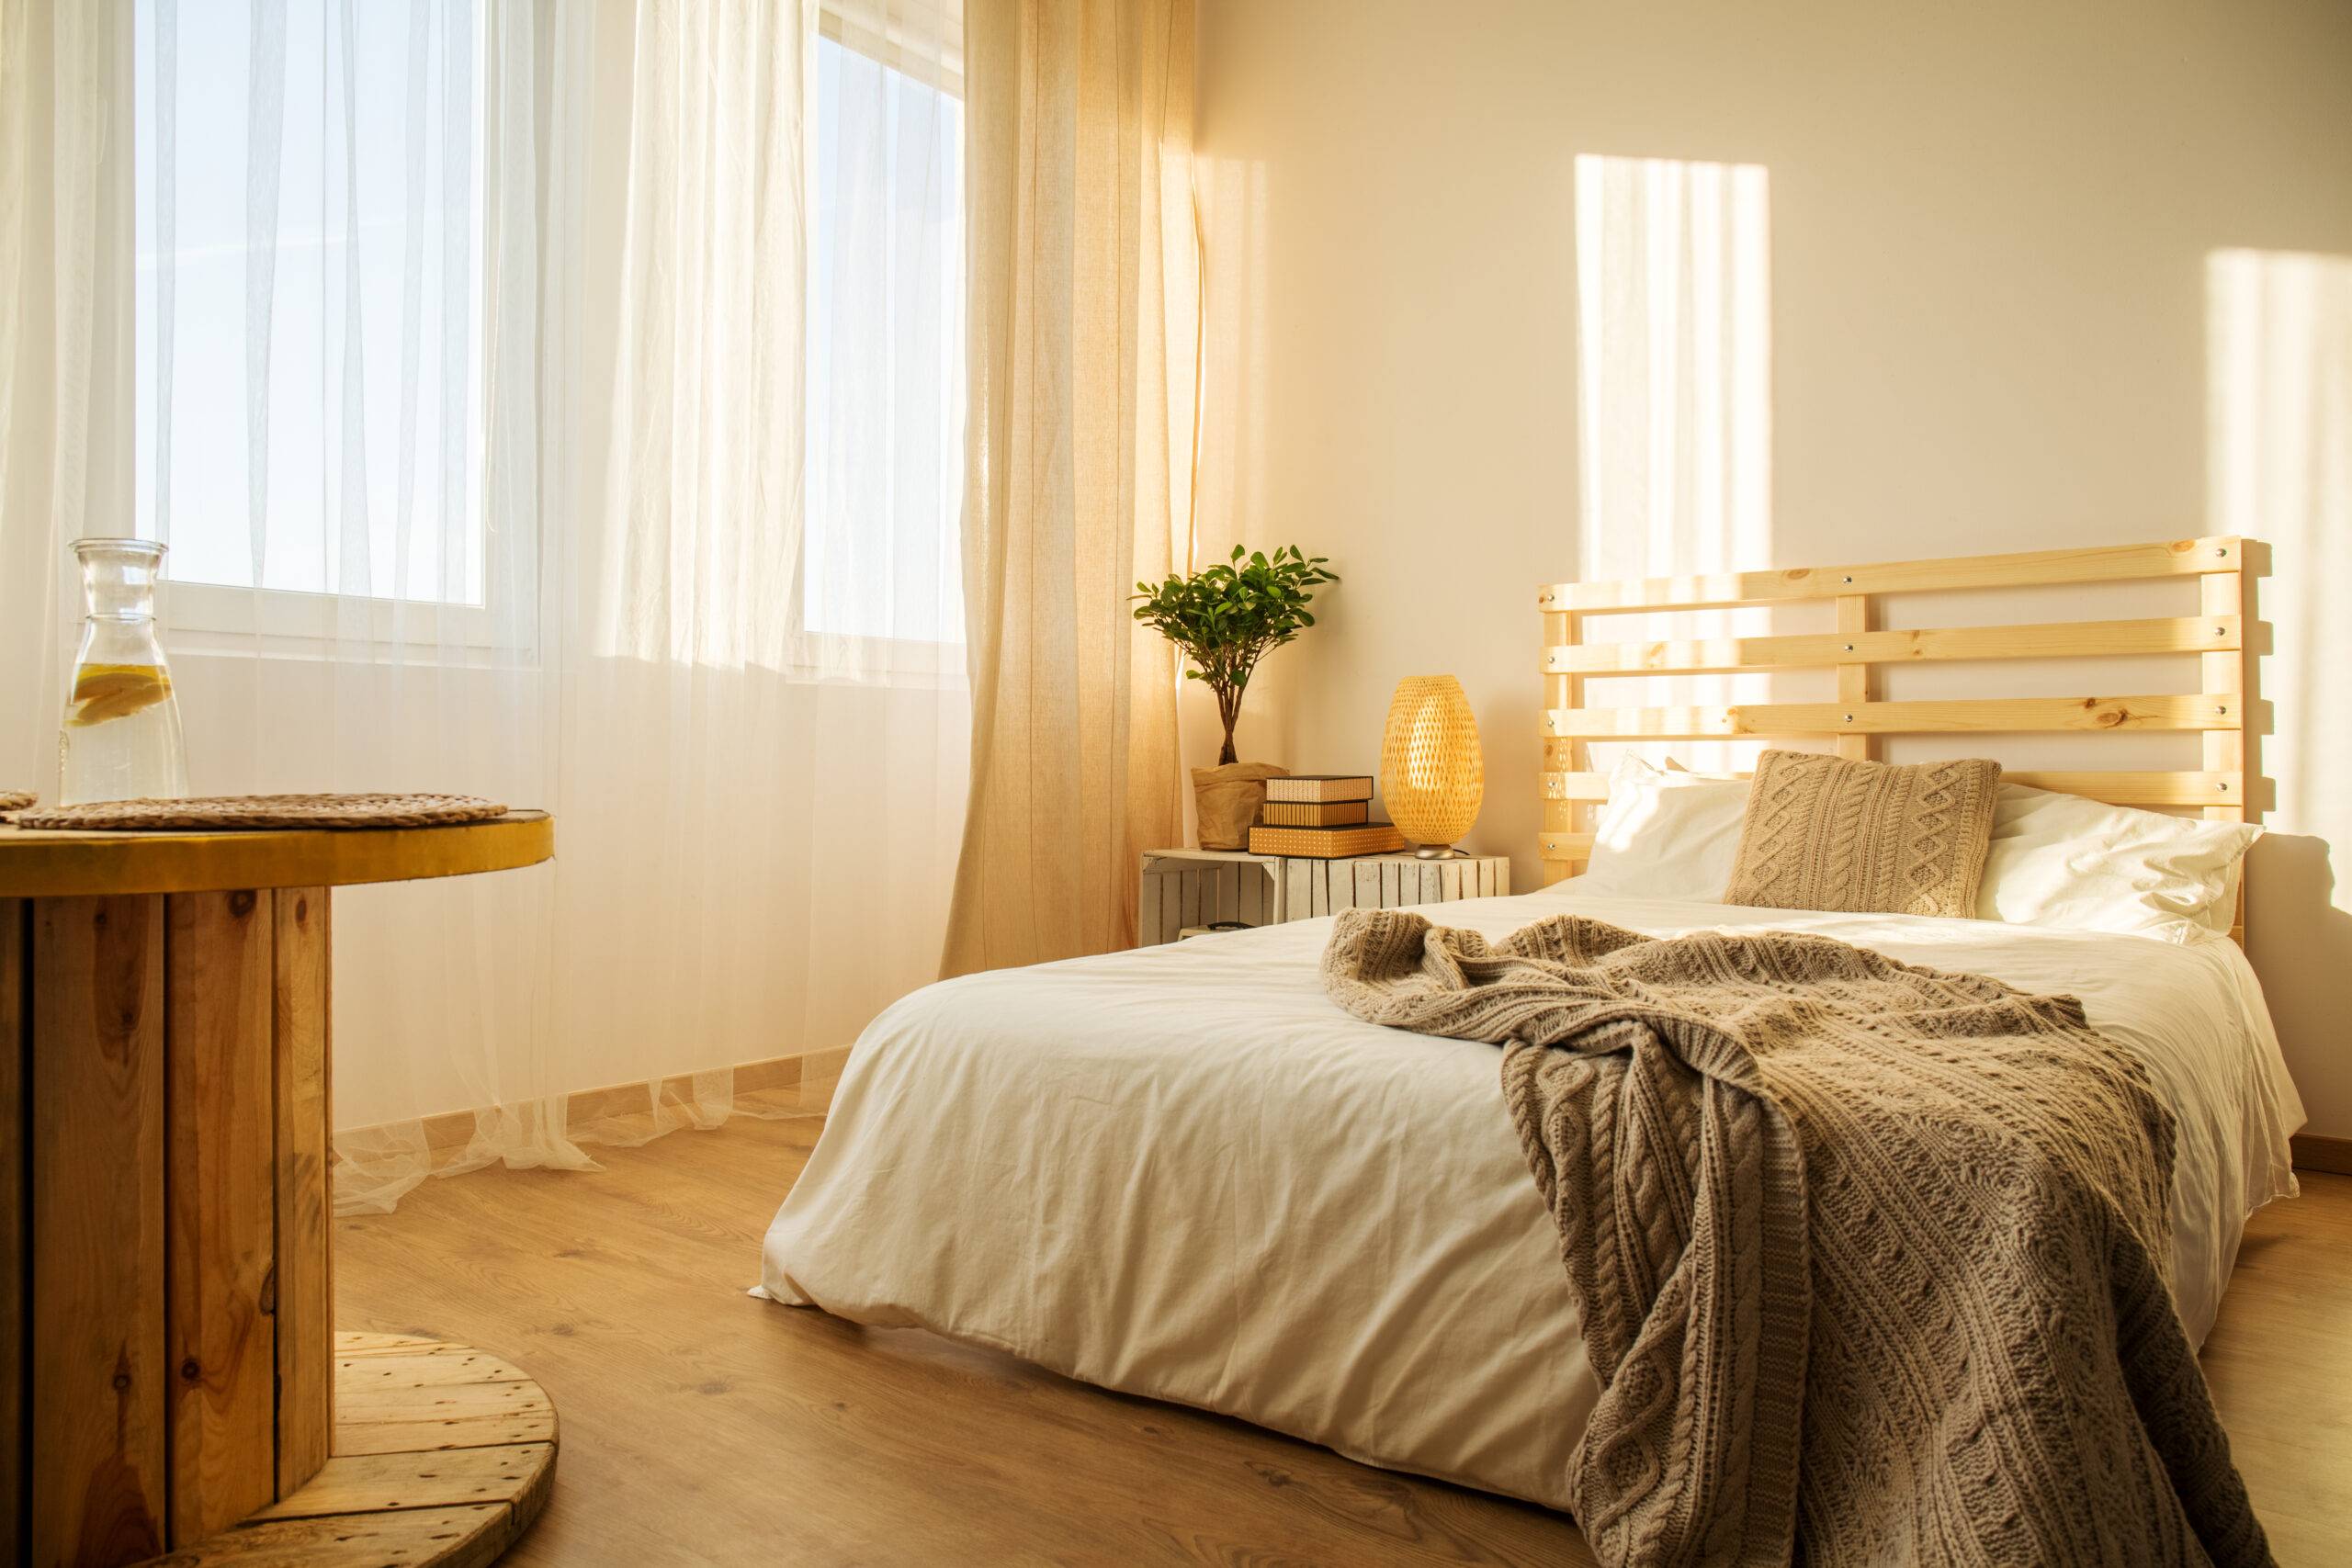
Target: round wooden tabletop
column 39, row 865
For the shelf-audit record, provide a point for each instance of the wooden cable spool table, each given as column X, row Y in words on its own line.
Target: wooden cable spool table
column 170, row 1377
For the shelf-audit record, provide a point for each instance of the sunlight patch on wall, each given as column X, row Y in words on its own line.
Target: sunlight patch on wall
column 1674, row 380
column 2278, row 468
column 1232, row 393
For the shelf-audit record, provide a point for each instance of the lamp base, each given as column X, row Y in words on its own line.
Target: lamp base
column 1436, row 851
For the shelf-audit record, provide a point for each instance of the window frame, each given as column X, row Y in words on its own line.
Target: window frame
column 893, row 660
column 313, row 623
column 317, row 623
column 297, row 621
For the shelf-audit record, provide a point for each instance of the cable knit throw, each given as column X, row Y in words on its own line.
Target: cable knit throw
column 1873, row 1261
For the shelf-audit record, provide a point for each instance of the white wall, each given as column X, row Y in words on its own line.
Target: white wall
column 2008, row 310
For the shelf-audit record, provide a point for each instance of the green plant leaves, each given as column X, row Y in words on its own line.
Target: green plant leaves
column 1224, row 617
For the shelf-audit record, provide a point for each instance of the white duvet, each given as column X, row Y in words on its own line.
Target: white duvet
column 1183, row 1172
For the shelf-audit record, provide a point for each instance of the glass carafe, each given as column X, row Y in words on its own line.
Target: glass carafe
column 122, row 738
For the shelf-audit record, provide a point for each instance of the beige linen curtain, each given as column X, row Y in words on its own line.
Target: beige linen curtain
column 1084, row 303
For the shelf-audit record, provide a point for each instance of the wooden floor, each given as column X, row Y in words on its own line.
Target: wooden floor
column 702, row 1426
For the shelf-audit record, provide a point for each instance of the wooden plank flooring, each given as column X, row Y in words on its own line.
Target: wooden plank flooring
column 701, row 1426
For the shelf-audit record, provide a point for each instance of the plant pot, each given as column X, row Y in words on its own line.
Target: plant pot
column 1228, row 798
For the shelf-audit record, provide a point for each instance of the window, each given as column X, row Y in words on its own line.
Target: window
column 312, row 197
column 310, row 299
column 882, row 558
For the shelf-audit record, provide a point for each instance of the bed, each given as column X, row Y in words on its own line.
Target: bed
column 1181, row 1172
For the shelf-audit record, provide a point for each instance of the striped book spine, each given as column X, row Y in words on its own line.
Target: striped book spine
column 1317, row 813
column 1326, row 843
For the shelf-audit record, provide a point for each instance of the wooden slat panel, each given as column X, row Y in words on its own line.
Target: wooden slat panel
column 305, row 1291
column 2058, row 639
column 349, row 1343
column 2136, row 788
column 222, row 1155
column 2105, row 563
column 1566, row 690
column 442, row 1366
column 467, row 1537
column 1854, row 682
column 457, row 1403
column 2222, row 673
column 1148, row 933
column 382, row 1484
column 1566, row 846
column 1983, row 716
column 2186, row 788
column 479, row 1431
column 99, row 1395
column 14, row 939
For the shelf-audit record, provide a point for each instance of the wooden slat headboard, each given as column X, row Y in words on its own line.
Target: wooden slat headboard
column 1857, row 648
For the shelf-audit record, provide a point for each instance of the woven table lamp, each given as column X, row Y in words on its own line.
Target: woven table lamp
column 1432, row 773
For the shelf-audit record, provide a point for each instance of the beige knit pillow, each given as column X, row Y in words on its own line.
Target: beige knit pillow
column 1825, row 833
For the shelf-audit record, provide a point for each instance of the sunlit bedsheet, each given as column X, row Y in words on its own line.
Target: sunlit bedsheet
column 1182, row 1172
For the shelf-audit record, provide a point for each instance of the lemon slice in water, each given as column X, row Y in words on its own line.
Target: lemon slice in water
column 102, row 692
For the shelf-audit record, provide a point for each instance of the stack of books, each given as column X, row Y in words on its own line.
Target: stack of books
column 1322, row 817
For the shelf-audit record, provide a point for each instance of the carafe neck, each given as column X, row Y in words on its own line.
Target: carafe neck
column 119, row 578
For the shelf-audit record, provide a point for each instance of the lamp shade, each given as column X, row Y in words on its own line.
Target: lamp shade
column 1432, row 773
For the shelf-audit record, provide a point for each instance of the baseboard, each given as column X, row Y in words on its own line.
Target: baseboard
column 785, row 1084
column 2317, row 1151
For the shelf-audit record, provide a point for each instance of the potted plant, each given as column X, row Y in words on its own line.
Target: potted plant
column 1223, row 620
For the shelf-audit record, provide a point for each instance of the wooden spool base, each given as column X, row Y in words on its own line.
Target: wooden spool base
column 442, row 1454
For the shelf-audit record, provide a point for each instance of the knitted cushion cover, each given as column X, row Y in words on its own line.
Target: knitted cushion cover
column 1828, row 833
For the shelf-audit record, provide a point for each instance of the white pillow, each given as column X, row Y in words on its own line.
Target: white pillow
column 1666, row 835
column 2058, row 860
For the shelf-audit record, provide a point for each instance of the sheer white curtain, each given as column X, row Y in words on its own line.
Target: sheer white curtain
column 563, row 404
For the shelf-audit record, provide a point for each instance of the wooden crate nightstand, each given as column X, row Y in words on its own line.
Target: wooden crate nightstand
column 1196, row 887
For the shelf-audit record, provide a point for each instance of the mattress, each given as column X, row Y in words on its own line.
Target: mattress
column 1182, row 1172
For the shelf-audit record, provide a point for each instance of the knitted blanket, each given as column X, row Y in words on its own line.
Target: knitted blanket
column 1873, row 1261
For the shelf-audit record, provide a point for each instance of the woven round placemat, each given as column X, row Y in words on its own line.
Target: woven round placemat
column 16, row 799
column 268, row 811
